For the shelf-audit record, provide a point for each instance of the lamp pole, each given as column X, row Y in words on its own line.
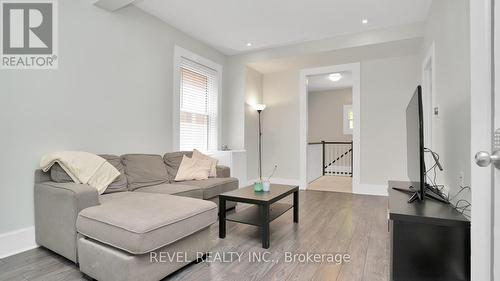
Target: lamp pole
column 260, row 147
column 259, row 108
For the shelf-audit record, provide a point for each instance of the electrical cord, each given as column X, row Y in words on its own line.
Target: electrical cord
column 433, row 168
column 462, row 188
column 463, row 206
column 465, row 209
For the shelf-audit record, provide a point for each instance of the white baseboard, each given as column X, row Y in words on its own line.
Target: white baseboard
column 278, row 181
column 363, row 188
column 17, row 241
column 370, row 189
column 285, row 181
column 249, row 182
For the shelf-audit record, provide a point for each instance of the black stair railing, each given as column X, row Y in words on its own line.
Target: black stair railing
column 337, row 158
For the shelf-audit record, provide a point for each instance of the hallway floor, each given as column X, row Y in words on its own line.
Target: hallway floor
column 332, row 183
column 330, row 223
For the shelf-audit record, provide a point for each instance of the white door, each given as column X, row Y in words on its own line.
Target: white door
column 485, row 116
column 496, row 145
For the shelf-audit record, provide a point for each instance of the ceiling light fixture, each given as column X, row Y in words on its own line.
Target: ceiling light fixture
column 335, row 77
column 259, row 106
column 365, row 21
column 249, row 44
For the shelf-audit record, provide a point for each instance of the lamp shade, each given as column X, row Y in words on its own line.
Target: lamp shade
column 259, row 106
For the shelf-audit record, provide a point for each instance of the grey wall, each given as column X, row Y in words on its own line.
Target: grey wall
column 448, row 27
column 326, row 115
column 112, row 93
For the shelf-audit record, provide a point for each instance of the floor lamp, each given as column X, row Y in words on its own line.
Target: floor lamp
column 260, row 108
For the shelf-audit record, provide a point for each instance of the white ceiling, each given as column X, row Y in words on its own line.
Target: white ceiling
column 228, row 25
column 319, row 83
column 399, row 48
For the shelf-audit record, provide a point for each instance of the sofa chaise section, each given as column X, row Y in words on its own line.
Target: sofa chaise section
column 105, row 263
column 57, row 206
column 161, row 215
column 131, row 227
column 139, row 223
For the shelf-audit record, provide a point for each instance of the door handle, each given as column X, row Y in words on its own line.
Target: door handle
column 484, row 159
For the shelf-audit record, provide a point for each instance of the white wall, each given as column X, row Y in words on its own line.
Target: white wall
column 325, row 111
column 314, row 162
column 253, row 95
column 234, row 104
column 386, row 86
column 280, row 136
column 390, row 42
column 387, row 40
column 448, row 27
column 112, row 93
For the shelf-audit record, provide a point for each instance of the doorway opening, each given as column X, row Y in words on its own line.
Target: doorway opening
column 329, row 135
column 330, row 128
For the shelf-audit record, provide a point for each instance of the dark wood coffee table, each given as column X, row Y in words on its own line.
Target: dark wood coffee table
column 265, row 210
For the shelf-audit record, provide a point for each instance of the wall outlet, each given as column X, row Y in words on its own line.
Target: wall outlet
column 445, row 190
column 461, row 178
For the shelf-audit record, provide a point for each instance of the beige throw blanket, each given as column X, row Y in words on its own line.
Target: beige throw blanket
column 83, row 167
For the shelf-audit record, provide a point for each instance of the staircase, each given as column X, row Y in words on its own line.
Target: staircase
column 337, row 158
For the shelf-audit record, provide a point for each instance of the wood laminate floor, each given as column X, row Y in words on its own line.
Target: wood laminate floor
column 331, row 183
column 330, row 223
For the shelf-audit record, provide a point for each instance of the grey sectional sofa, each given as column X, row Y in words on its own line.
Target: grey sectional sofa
column 113, row 236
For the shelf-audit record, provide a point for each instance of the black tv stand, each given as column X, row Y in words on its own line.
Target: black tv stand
column 430, row 192
column 429, row 241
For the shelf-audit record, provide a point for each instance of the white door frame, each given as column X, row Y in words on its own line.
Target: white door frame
column 355, row 69
column 495, row 190
column 481, row 129
column 429, row 93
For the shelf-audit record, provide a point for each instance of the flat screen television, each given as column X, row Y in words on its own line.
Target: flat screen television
column 415, row 152
column 415, row 143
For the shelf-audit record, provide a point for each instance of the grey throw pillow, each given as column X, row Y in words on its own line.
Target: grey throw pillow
column 144, row 170
column 57, row 174
column 173, row 161
column 119, row 184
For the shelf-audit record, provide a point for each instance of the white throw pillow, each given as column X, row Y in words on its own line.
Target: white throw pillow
column 213, row 162
column 193, row 169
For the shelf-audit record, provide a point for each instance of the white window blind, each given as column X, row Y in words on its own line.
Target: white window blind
column 198, row 106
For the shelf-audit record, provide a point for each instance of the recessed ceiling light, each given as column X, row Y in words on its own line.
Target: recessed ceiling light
column 335, row 77
column 365, row 21
column 249, row 44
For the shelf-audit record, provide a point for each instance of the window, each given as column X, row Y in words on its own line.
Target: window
column 348, row 119
column 198, row 95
